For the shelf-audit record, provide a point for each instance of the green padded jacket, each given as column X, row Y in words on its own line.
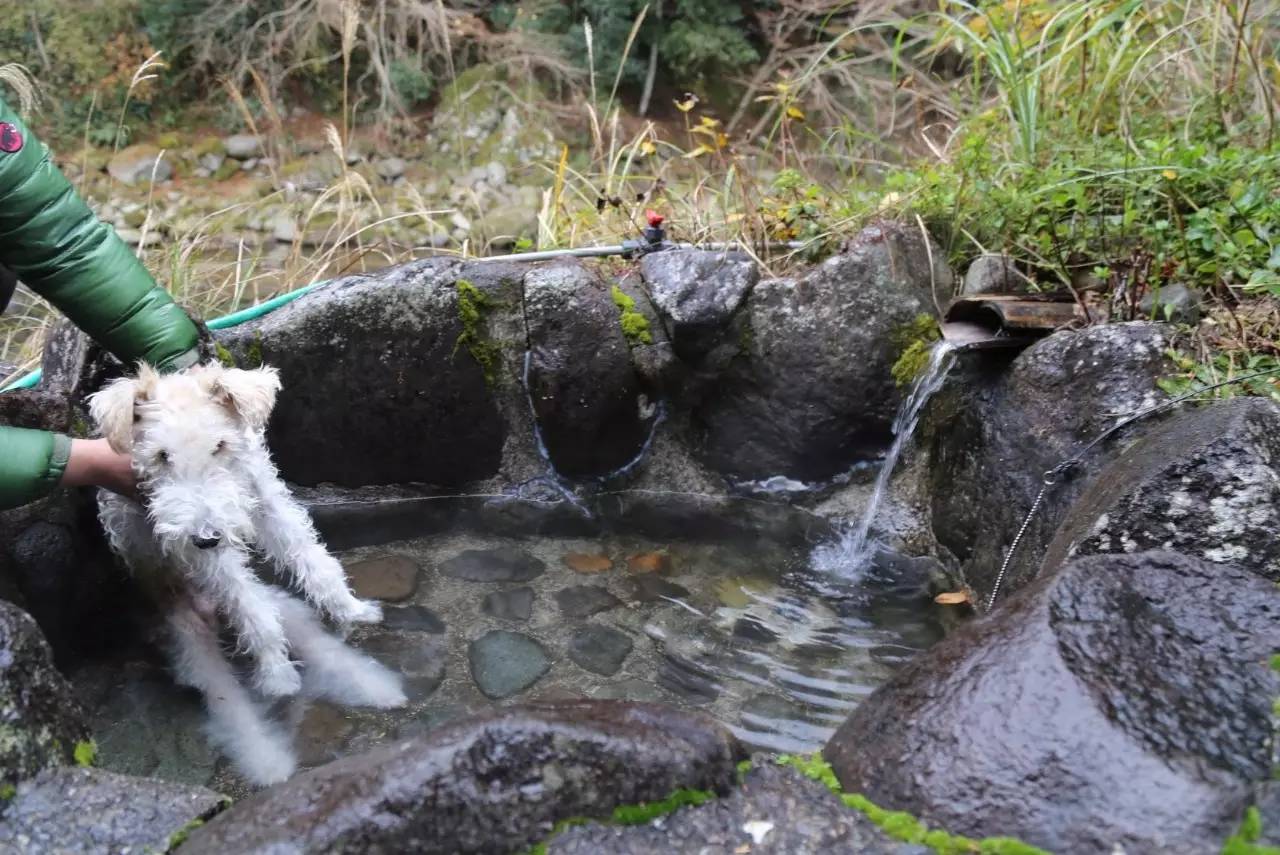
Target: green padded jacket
column 59, row 249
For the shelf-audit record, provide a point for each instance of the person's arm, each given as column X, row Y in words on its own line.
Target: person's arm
column 52, row 241
column 60, row 250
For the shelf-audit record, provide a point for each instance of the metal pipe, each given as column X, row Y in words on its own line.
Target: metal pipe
column 629, row 248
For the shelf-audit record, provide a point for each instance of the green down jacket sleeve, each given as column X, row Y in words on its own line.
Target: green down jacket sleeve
column 59, row 249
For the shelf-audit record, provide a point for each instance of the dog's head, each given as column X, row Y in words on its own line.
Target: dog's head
column 188, row 435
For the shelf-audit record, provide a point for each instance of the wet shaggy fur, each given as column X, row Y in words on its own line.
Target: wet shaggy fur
column 210, row 502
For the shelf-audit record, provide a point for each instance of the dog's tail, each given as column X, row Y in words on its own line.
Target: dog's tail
column 259, row 749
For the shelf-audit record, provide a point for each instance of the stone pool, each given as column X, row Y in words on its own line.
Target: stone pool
column 736, row 628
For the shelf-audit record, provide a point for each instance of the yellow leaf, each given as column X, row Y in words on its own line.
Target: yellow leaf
column 722, row 140
column 952, row 598
column 690, row 101
column 708, row 122
column 795, row 113
column 1170, row 174
column 647, row 147
column 704, row 131
column 700, row 150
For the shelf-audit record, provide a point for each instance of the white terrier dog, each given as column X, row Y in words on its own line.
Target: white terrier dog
column 211, row 496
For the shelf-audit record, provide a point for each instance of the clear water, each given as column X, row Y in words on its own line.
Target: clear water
column 850, row 556
column 731, row 628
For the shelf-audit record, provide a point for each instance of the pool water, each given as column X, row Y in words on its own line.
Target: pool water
column 739, row 629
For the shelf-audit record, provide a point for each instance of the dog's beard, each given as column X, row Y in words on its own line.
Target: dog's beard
column 179, row 512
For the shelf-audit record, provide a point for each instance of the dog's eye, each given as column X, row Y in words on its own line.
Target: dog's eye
column 221, row 446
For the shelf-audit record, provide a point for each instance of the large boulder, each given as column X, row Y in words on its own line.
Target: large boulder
column 994, row 430
column 495, row 783
column 812, row 392
column 92, row 811
column 697, row 293
column 584, row 390
column 383, row 380
column 776, row 810
column 1121, row 702
column 1205, row 482
column 41, row 724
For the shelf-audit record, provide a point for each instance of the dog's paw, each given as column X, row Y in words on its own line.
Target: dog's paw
column 278, row 679
column 358, row 611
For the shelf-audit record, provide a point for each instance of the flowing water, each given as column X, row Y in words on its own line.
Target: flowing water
column 849, row 556
column 727, row 626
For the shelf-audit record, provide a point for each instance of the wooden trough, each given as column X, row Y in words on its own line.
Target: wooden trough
column 981, row 321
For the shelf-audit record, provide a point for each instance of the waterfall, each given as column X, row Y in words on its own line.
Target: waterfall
column 849, row 555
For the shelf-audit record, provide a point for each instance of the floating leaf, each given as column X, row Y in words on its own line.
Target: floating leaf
column 952, row 598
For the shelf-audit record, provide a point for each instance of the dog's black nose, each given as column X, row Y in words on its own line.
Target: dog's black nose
column 206, row 542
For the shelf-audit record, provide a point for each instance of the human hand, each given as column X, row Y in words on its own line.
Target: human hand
column 94, row 463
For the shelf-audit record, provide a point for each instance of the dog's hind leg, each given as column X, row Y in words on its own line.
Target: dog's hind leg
column 251, row 610
column 286, row 535
column 259, row 750
column 331, row 668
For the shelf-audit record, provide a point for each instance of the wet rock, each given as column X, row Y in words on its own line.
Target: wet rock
column 994, row 274
column 648, row 588
column 1138, row 684
column 697, row 293
column 376, row 387
column 581, row 601
column 650, row 562
column 388, row 577
column 41, row 724
column 587, row 564
column 811, row 392
column 493, row 783
column 506, row 663
column 1175, row 303
column 787, row 812
column 419, row 658
column 322, row 733
column 413, row 618
column 511, row 604
column 135, row 164
column 584, row 390
column 93, row 811
column 994, row 429
column 242, row 146
column 1203, row 482
column 600, row 649
column 503, row 564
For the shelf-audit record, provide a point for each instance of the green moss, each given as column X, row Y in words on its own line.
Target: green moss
column 636, row 814
column 912, row 341
column 224, row 356
column 79, row 427
column 473, row 305
column 1245, row 840
column 86, row 753
column 634, row 325
column 180, row 836
column 903, row 826
column 7, row 792
column 168, row 141
column 253, row 353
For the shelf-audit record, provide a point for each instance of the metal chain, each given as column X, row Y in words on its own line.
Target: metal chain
column 1063, row 469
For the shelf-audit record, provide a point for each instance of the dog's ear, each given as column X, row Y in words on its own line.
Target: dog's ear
column 252, row 394
column 114, row 407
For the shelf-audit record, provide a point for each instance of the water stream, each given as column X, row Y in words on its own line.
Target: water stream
column 852, row 553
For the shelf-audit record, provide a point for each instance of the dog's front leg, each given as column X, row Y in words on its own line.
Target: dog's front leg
column 286, row 535
column 251, row 610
